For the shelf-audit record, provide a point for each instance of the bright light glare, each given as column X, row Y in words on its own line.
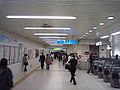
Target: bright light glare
column 47, row 28
column 110, row 18
column 101, row 24
column 52, row 37
column 41, row 17
column 94, row 28
column 106, row 36
column 87, row 33
column 55, row 34
column 116, row 33
column 90, row 31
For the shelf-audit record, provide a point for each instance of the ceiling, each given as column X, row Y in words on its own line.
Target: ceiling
column 89, row 13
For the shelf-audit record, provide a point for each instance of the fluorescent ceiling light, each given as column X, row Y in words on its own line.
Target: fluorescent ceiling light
column 84, row 35
column 101, row 24
column 106, row 36
column 116, row 33
column 87, row 33
column 47, row 28
column 90, row 31
column 42, row 17
column 94, row 28
column 52, row 37
column 110, row 18
column 54, row 34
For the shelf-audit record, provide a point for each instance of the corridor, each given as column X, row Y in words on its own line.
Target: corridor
column 58, row 79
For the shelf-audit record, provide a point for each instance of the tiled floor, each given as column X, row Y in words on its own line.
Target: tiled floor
column 58, row 79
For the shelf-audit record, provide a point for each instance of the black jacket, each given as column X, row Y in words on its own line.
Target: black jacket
column 6, row 78
column 73, row 63
column 42, row 58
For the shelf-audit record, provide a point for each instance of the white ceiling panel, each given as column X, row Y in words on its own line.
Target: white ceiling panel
column 89, row 13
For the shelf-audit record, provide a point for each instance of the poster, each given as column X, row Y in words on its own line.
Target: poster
column 36, row 53
column 30, row 54
column 12, row 52
column 16, row 54
column 7, row 53
column 1, row 52
column 19, row 54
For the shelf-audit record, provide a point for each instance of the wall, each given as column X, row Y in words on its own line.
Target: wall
column 17, row 68
column 115, row 44
column 80, row 49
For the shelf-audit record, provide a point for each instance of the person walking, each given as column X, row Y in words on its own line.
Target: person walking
column 25, row 62
column 73, row 64
column 91, row 59
column 6, row 76
column 48, row 61
column 117, row 57
column 42, row 60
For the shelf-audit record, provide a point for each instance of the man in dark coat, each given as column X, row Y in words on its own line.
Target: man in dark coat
column 42, row 60
column 91, row 59
column 6, row 76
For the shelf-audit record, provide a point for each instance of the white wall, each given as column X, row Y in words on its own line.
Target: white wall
column 104, row 52
column 80, row 49
column 115, row 42
column 17, row 68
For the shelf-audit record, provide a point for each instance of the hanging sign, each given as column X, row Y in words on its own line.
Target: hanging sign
column 67, row 42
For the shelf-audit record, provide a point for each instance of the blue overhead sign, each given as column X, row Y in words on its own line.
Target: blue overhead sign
column 67, row 42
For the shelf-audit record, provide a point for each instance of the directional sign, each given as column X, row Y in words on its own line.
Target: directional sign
column 67, row 42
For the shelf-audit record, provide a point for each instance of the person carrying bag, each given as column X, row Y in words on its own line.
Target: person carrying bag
column 48, row 61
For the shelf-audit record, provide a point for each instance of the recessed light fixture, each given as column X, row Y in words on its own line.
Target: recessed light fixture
column 90, row 31
column 54, row 34
column 81, row 37
column 87, row 33
column 101, row 24
column 110, row 17
column 44, row 28
column 103, row 37
column 95, row 28
column 41, row 17
column 51, row 37
column 116, row 33
column 84, row 35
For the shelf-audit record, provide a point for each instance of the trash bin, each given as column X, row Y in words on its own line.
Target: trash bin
column 115, row 74
column 100, row 68
column 106, row 69
column 95, row 67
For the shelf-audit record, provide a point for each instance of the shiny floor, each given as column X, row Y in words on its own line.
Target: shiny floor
column 57, row 78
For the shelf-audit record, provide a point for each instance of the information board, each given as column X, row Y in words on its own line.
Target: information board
column 1, row 52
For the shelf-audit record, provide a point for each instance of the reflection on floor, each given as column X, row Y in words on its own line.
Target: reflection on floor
column 58, row 79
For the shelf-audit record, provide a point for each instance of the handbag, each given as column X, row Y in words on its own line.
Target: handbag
column 67, row 66
column 26, row 63
column 49, row 62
